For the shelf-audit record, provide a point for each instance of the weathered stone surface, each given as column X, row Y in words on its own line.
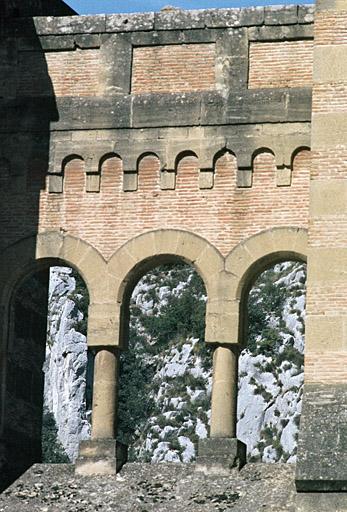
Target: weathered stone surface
column 281, row 15
column 70, row 25
column 179, row 19
column 306, row 13
column 129, row 22
column 164, row 487
column 322, row 448
column 220, row 456
column 101, row 457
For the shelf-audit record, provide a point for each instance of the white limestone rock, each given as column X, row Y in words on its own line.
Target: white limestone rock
column 66, row 363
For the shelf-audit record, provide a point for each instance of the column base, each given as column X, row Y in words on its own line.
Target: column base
column 101, row 457
column 220, row 455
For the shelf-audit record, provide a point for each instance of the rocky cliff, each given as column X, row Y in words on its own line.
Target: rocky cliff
column 66, row 362
column 166, row 373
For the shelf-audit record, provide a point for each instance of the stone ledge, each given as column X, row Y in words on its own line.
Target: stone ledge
column 160, row 110
column 174, row 20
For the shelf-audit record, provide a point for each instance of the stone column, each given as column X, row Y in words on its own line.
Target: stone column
column 222, row 452
column 103, row 454
column 104, row 419
column 224, row 392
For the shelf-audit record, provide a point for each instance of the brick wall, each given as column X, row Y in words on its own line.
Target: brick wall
column 173, row 68
column 280, row 64
column 72, row 73
column 224, row 215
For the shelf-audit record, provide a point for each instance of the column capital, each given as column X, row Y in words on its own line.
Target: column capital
column 236, row 348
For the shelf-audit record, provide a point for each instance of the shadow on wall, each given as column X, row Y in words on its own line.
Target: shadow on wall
column 27, row 107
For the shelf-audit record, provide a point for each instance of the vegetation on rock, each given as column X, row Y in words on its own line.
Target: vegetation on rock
column 52, row 450
column 166, row 373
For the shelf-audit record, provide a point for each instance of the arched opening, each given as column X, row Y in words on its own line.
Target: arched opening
column 46, row 395
column 271, row 364
column 165, row 371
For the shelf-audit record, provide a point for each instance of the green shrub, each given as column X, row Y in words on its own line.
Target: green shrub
column 52, row 450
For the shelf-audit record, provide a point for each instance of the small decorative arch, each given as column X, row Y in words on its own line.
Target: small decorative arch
column 260, row 150
column 148, row 177
column 56, row 179
column 70, row 158
column 110, row 171
column 296, row 152
column 74, row 178
column 222, row 152
column 263, row 160
column 184, row 154
column 106, row 157
column 227, row 174
column 187, row 172
column 145, row 155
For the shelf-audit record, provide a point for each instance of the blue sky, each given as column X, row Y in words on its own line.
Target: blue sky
column 114, row 6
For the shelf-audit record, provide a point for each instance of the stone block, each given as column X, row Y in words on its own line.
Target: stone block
column 93, row 183
column 223, row 18
column 244, row 178
column 268, row 33
column 322, row 502
column 328, row 265
column 330, row 5
column 164, row 109
column 328, row 197
column 57, row 42
column 167, row 180
column 129, row 22
column 101, row 457
column 330, row 63
column 103, row 325
column 179, row 19
column 306, row 13
column 100, row 112
column 49, row 245
column 329, row 130
column 70, row 25
column 206, row 178
column 252, row 16
column 87, row 40
column 55, row 183
column 283, row 177
column 209, row 262
column 324, row 333
column 322, row 447
column 222, row 327
column 219, row 456
column 130, row 180
column 281, row 15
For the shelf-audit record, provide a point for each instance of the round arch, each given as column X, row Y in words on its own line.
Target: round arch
column 27, row 262
column 150, row 249
column 32, row 253
column 147, row 250
column 253, row 256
